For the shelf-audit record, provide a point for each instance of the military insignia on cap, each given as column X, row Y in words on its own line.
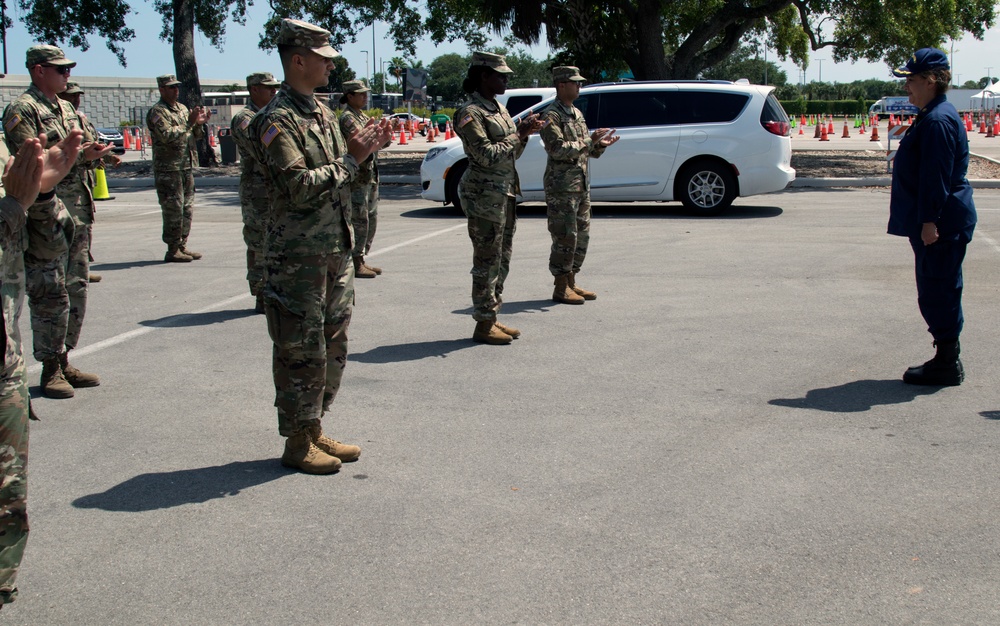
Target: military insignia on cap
column 465, row 120
column 12, row 123
column 269, row 135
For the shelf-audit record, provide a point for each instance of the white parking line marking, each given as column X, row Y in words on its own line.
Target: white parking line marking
column 174, row 320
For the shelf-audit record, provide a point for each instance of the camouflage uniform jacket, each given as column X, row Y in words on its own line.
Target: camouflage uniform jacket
column 172, row 137
column 12, row 219
column 492, row 145
column 350, row 122
column 83, row 207
column 31, row 115
column 253, row 178
column 567, row 141
column 309, row 172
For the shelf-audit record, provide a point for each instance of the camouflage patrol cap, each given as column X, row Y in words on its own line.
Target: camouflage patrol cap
column 262, row 78
column 306, row 35
column 73, row 87
column 496, row 62
column 353, row 86
column 167, row 80
column 46, row 55
column 566, row 73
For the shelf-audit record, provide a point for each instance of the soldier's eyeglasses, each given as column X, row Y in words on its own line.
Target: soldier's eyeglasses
column 62, row 69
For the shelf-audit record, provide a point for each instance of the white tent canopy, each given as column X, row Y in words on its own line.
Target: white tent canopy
column 987, row 97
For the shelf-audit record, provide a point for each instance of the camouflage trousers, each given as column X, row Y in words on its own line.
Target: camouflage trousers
column 364, row 217
column 45, row 285
column 13, row 480
column 569, row 225
column 308, row 302
column 492, row 245
column 175, row 191
column 77, row 280
column 254, row 227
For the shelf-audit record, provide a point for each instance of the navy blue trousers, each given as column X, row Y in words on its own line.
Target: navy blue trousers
column 939, row 286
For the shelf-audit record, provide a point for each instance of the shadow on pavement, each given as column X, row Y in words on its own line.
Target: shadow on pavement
column 199, row 319
column 163, row 490
column 990, row 415
column 104, row 267
column 413, row 351
column 858, row 396
column 601, row 211
column 523, row 306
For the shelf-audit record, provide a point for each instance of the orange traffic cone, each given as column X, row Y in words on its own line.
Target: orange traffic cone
column 448, row 134
column 402, row 137
column 874, row 133
column 989, row 131
column 862, row 131
column 127, row 136
column 138, row 141
column 829, row 127
column 824, row 136
column 800, row 129
column 847, row 132
column 430, row 135
column 819, row 128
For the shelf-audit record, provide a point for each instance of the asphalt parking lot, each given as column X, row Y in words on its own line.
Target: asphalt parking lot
column 720, row 438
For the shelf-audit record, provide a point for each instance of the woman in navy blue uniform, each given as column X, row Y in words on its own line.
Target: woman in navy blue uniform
column 932, row 206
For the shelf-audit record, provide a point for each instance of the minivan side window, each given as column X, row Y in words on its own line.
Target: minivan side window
column 633, row 108
column 701, row 107
column 516, row 104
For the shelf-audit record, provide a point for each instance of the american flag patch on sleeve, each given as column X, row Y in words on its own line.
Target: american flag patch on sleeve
column 269, row 135
column 245, row 123
column 12, row 123
column 156, row 118
column 465, row 120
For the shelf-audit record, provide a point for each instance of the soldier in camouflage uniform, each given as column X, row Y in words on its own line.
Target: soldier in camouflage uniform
column 364, row 188
column 489, row 188
column 50, row 227
column 253, row 182
column 23, row 180
column 83, row 214
column 567, row 183
column 173, row 130
column 308, row 273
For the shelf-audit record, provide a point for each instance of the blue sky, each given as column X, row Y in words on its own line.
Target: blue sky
column 147, row 55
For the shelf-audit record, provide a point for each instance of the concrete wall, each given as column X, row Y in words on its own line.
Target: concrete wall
column 107, row 101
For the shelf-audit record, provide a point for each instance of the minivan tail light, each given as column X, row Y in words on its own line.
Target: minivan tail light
column 782, row 129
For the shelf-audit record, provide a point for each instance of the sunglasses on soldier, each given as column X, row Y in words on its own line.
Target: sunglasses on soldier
column 62, row 69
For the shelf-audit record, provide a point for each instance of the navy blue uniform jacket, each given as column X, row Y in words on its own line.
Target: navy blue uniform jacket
column 928, row 176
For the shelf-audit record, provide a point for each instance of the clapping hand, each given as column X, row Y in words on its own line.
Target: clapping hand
column 529, row 125
column 605, row 137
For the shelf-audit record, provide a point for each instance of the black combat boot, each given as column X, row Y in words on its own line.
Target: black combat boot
column 944, row 370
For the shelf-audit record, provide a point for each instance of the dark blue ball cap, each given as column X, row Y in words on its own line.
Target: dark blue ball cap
column 922, row 60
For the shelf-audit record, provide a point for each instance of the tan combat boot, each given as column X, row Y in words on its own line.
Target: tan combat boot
column 54, row 384
column 563, row 293
column 174, row 255
column 94, row 278
column 191, row 253
column 487, row 332
column 302, row 454
column 580, row 291
column 508, row 330
column 74, row 376
column 377, row 270
column 343, row 451
column 361, row 270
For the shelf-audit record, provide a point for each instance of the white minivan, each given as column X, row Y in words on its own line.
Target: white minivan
column 704, row 143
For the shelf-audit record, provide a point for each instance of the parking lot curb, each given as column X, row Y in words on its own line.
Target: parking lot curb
column 977, row 183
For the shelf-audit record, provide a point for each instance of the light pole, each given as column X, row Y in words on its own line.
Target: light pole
column 382, row 68
column 366, row 63
column 821, row 69
column 989, row 77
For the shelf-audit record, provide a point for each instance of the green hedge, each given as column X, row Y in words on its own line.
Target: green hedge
column 826, row 107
